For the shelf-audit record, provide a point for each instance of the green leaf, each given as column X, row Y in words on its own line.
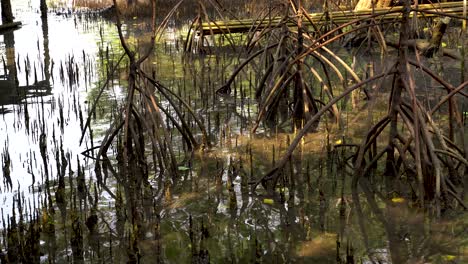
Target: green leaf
column 183, row 168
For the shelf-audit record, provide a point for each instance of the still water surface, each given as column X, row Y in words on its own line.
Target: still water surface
column 210, row 215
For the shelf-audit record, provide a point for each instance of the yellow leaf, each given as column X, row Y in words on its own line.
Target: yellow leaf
column 282, row 189
column 338, row 142
column 268, row 201
column 444, row 45
column 45, row 216
column 448, row 257
column 398, row 200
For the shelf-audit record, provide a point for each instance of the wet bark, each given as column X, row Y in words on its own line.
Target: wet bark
column 429, row 48
column 437, row 34
column 304, row 103
column 299, row 107
column 7, row 14
column 397, row 90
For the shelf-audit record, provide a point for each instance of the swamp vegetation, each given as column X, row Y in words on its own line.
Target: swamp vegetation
column 213, row 131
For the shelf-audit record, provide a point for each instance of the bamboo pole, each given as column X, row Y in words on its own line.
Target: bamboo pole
column 338, row 17
column 4, row 27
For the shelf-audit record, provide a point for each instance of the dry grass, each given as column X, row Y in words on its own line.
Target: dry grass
column 138, row 6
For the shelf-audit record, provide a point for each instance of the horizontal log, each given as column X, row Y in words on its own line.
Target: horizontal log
column 338, row 17
column 10, row 26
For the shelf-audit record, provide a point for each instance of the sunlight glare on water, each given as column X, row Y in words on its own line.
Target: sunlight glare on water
column 64, row 38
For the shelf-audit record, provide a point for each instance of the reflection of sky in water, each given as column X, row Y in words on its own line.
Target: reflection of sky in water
column 67, row 38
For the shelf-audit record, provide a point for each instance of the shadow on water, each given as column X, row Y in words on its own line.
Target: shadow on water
column 11, row 92
column 64, row 202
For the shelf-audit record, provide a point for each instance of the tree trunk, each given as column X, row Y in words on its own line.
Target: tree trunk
column 43, row 8
column 7, row 14
column 437, row 34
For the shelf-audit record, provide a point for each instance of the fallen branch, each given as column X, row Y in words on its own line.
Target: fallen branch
column 8, row 26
